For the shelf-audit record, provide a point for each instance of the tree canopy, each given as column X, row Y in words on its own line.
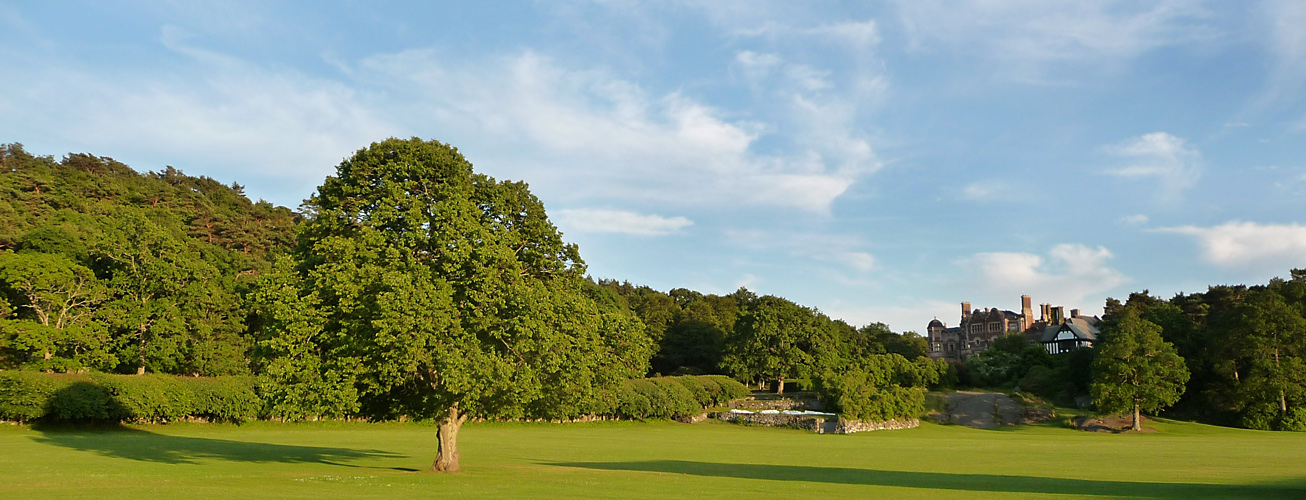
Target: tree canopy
column 1135, row 369
column 441, row 293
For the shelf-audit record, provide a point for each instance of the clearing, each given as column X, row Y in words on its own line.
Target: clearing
column 649, row 460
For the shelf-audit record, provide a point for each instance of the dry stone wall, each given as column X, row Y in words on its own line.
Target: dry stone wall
column 818, row 424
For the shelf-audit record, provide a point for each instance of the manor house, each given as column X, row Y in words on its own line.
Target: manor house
column 980, row 327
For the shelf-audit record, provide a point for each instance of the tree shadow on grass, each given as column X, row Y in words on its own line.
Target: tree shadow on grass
column 959, row 482
column 136, row 444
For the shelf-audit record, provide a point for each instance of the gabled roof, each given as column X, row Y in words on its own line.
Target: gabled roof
column 1081, row 328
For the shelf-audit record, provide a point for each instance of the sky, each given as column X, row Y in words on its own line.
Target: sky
column 880, row 161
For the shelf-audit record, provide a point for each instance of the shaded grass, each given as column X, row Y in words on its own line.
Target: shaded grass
column 653, row 460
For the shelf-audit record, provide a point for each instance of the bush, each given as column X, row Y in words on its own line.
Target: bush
column 80, row 400
column 27, row 396
column 147, row 398
column 1042, row 381
column 24, row 395
column 668, row 397
column 696, row 388
column 230, row 399
column 631, row 403
column 854, row 394
column 731, row 389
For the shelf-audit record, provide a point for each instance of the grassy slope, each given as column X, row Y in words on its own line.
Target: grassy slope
column 660, row 460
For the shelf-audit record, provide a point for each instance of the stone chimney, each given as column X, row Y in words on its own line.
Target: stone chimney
column 1074, row 313
column 1026, row 312
column 1058, row 315
column 1045, row 313
column 965, row 311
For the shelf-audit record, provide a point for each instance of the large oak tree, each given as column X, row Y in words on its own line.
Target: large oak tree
column 441, row 293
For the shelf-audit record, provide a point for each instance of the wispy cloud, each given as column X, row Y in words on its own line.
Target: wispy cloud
column 1031, row 38
column 1134, row 220
column 988, row 191
column 621, row 140
column 1239, row 244
column 590, row 220
column 214, row 114
column 1071, row 274
column 1169, row 160
column 842, row 251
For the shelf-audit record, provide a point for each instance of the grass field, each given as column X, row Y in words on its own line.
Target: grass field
column 648, row 460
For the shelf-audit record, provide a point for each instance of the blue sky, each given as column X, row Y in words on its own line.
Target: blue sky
column 880, row 161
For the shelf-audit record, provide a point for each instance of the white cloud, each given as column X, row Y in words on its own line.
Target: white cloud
column 856, row 35
column 1250, row 245
column 988, row 191
column 860, row 261
column 1134, row 220
column 589, row 220
column 1071, row 274
column 756, row 66
column 1029, row 36
column 278, row 132
column 901, row 318
column 1171, row 161
column 748, row 281
column 1287, row 43
column 840, row 250
column 616, row 140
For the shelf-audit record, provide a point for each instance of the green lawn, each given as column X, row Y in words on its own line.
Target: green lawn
column 648, row 460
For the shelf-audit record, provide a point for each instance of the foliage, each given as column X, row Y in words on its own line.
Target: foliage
column 670, row 397
column 1135, row 369
column 775, row 339
column 102, row 268
column 879, row 387
column 27, row 396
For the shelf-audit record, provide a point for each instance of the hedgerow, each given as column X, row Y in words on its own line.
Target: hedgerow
column 27, row 396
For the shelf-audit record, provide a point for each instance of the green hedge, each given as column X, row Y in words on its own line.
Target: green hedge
column 27, row 396
column 879, row 387
column 671, row 397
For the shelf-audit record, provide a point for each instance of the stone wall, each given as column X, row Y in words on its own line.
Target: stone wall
column 755, row 404
column 851, row 426
column 817, row 424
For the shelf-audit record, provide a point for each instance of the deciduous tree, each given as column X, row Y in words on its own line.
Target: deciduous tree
column 1135, row 369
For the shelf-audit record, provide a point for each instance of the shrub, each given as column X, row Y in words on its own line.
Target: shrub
column 631, row 403
column 23, row 395
column 147, row 398
column 679, row 401
column 1042, row 381
column 730, row 388
column 696, row 389
column 871, row 392
column 80, row 399
column 231, row 399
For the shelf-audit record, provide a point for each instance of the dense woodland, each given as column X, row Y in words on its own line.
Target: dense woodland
column 410, row 286
column 407, row 286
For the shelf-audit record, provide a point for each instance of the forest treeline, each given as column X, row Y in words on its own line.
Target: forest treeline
column 409, row 285
column 106, row 269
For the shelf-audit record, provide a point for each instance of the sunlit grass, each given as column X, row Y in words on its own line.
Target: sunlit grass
column 648, row 460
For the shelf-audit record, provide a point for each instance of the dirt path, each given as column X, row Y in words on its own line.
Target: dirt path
column 983, row 410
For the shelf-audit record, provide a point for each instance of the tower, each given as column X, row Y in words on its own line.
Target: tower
column 1026, row 313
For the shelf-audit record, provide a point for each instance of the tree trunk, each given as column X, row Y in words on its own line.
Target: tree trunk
column 1138, row 426
column 1283, row 400
column 140, row 369
column 446, row 459
column 780, row 385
